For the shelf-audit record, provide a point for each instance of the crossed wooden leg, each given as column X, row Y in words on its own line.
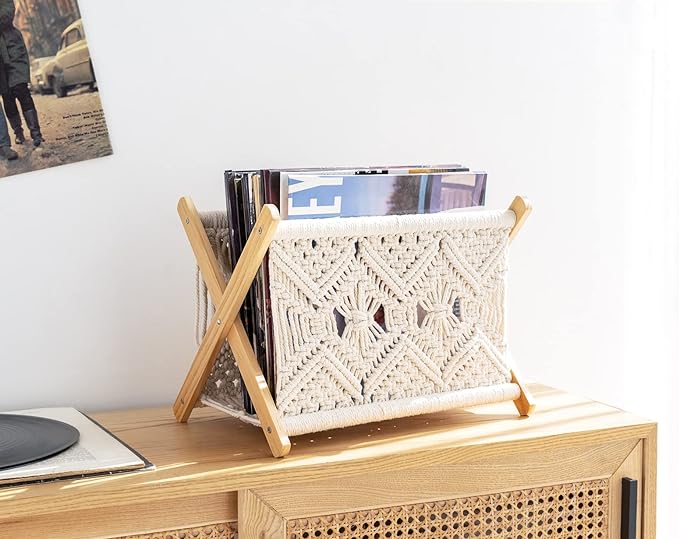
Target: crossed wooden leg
column 522, row 208
column 226, row 323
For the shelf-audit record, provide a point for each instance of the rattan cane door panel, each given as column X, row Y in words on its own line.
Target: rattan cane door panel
column 568, row 511
column 226, row 530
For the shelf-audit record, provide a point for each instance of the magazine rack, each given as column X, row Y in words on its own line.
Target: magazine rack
column 374, row 317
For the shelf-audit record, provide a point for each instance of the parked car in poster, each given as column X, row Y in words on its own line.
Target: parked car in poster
column 72, row 63
column 39, row 82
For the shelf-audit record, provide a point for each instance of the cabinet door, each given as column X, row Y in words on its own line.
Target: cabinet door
column 558, row 493
column 626, row 497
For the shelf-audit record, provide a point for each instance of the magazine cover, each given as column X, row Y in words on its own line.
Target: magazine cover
column 51, row 114
column 315, row 195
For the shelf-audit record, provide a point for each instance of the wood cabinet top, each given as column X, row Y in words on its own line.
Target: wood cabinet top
column 214, row 453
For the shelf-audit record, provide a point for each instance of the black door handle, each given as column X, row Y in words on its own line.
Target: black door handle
column 628, row 525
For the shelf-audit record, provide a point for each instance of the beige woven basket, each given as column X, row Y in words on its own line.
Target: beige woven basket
column 381, row 317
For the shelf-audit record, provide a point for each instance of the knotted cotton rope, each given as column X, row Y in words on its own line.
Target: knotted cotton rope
column 224, row 383
column 386, row 316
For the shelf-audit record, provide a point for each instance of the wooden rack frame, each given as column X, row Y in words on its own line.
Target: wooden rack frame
column 226, row 324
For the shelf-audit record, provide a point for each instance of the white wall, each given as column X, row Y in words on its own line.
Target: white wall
column 561, row 101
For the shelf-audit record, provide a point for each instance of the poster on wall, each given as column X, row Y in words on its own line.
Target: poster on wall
column 51, row 113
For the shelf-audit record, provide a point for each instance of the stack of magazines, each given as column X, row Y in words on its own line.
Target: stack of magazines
column 328, row 193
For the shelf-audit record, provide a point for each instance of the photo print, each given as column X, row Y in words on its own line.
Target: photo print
column 51, row 113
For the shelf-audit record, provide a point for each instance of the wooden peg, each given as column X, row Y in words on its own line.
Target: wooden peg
column 521, row 207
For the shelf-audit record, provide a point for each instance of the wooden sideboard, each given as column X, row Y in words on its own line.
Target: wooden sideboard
column 475, row 473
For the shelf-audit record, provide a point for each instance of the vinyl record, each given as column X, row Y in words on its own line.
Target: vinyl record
column 25, row 439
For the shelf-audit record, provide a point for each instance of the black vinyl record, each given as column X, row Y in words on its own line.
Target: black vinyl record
column 25, row 439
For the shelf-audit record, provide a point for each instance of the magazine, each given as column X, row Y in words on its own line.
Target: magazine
column 97, row 451
column 324, row 195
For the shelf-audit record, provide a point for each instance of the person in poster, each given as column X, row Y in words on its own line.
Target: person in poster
column 15, row 74
column 15, row 71
column 6, row 151
column 49, row 88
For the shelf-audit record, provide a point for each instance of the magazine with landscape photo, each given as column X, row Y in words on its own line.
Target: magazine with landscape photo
column 355, row 195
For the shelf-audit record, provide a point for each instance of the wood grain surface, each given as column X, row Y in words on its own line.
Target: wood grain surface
column 128, row 520
column 214, row 454
column 500, row 473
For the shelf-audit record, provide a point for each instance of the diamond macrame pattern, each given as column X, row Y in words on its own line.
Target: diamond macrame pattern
column 375, row 318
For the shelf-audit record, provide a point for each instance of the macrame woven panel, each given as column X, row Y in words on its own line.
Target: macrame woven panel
column 226, row 530
column 373, row 310
column 570, row 511
column 224, row 385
